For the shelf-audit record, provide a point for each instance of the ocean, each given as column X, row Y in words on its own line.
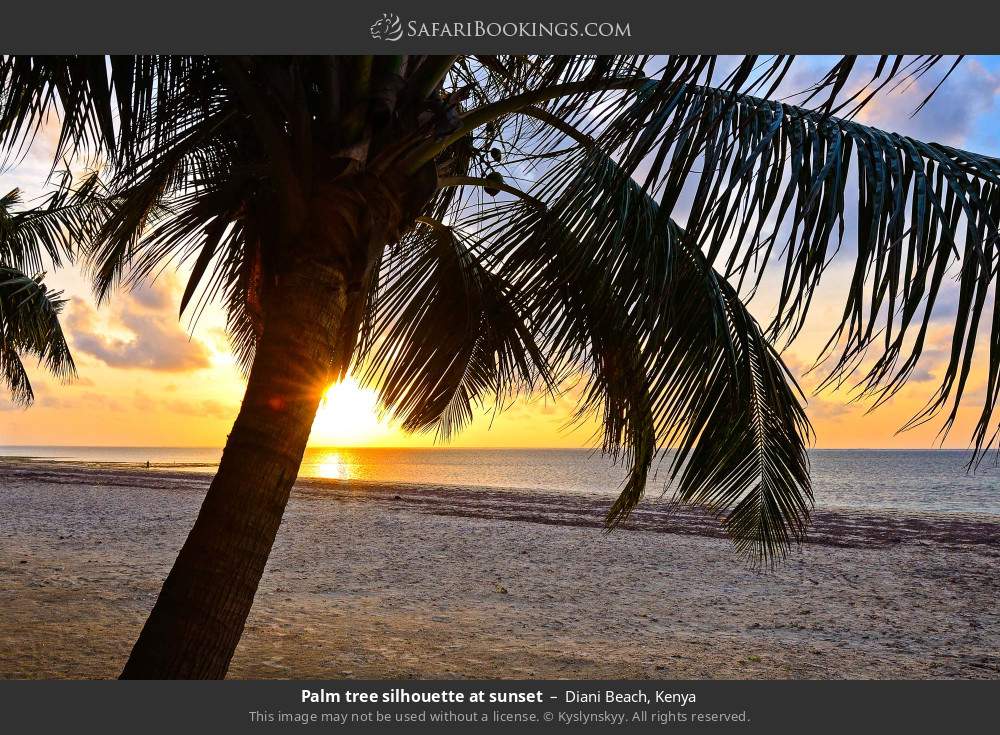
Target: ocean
column 900, row 480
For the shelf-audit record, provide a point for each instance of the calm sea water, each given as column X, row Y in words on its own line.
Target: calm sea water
column 907, row 480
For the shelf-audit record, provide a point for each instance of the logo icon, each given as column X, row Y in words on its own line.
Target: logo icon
column 387, row 28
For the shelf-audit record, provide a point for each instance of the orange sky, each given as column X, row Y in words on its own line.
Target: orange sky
column 146, row 381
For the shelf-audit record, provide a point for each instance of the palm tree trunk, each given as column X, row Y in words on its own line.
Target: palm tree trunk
column 199, row 615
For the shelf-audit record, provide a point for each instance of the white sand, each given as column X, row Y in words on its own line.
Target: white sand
column 377, row 582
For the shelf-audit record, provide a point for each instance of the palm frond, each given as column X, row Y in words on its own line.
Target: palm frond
column 771, row 171
column 29, row 325
column 447, row 333
column 770, row 185
column 113, row 107
column 52, row 229
column 671, row 356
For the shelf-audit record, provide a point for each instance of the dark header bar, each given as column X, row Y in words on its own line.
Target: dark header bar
column 518, row 26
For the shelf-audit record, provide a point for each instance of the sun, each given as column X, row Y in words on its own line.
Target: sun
column 347, row 416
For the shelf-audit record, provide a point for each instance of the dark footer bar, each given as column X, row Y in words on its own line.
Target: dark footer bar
column 498, row 706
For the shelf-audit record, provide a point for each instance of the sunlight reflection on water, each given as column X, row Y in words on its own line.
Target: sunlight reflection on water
column 905, row 480
column 331, row 466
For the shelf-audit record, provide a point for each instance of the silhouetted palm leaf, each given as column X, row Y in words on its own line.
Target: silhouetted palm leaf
column 29, row 325
column 670, row 354
column 772, row 187
column 29, row 312
column 447, row 333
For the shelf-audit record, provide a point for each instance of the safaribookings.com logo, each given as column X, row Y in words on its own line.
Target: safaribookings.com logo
column 389, row 27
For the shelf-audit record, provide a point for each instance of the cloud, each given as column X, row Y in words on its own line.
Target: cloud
column 157, row 341
column 975, row 396
column 91, row 400
column 951, row 116
column 826, row 409
column 156, row 296
column 921, row 374
column 54, row 394
column 952, row 113
column 219, row 339
column 207, row 407
column 203, row 408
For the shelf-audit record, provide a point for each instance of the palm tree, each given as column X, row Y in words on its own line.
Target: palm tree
column 459, row 229
column 29, row 312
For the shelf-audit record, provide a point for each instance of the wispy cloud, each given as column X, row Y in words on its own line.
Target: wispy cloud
column 952, row 113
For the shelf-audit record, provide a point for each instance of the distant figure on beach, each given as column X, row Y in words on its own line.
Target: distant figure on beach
column 147, row 464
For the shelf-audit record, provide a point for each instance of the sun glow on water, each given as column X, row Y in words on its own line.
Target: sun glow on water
column 332, row 467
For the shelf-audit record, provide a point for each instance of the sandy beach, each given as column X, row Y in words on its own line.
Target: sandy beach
column 394, row 581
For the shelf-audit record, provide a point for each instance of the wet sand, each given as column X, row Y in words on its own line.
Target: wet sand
column 394, row 581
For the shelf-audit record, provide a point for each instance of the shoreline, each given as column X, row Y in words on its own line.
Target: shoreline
column 844, row 527
column 398, row 581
